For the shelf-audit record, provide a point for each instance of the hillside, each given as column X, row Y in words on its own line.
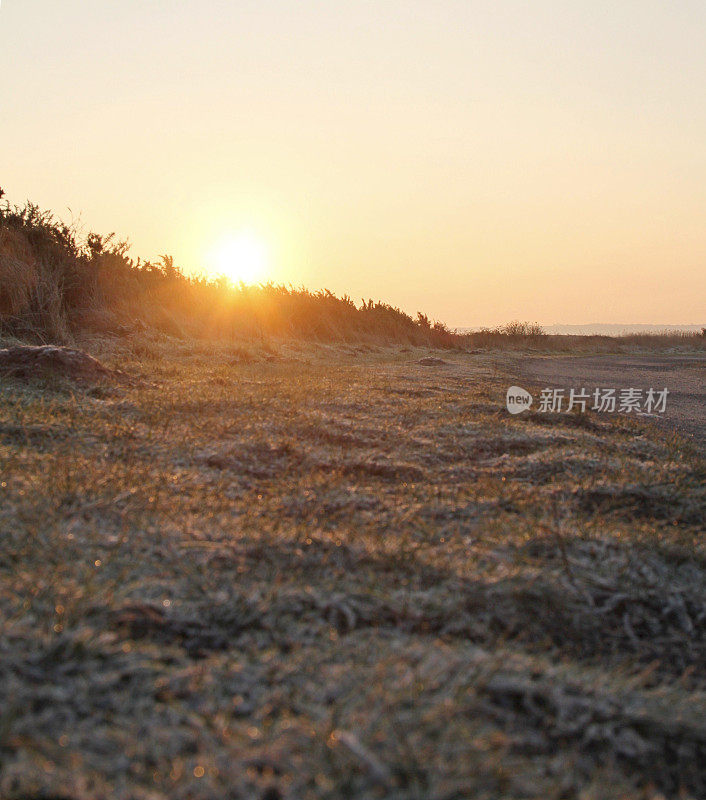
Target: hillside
column 58, row 285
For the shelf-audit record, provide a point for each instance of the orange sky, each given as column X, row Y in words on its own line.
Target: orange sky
column 482, row 161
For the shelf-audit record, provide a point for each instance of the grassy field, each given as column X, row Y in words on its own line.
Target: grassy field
column 309, row 571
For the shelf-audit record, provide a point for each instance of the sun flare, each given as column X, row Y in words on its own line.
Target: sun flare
column 240, row 258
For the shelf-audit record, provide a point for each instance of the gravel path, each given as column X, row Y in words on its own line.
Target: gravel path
column 684, row 376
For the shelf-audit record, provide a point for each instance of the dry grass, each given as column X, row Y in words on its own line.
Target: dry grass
column 501, row 339
column 56, row 285
column 279, row 570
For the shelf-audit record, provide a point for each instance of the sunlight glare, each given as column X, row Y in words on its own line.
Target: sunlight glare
column 240, row 258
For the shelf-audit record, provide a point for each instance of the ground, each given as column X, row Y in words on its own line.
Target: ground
column 683, row 374
column 292, row 571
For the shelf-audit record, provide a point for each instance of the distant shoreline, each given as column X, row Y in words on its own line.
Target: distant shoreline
column 605, row 329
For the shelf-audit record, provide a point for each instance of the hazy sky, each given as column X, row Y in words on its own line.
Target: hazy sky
column 483, row 161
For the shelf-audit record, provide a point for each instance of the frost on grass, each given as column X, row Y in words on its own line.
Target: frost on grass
column 323, row 575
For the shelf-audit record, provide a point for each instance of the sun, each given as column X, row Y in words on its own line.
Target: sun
column 241, row 257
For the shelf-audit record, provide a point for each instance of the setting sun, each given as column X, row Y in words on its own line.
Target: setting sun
column 240, row 258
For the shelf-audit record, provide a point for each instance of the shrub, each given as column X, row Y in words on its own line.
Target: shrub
column 55, row 283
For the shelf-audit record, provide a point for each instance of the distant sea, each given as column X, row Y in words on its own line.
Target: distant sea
column 599, row 329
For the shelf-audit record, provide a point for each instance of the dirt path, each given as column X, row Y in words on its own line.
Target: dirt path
column 684, row 376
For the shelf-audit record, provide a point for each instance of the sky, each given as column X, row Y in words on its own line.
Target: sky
column 481, row 160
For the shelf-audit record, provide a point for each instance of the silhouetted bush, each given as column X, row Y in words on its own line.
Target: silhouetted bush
column 55, row 283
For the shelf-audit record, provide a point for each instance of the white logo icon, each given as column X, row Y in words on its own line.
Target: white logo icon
column 518, row 399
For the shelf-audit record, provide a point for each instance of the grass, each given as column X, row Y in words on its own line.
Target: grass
column 286, row 570
column 57, row 285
